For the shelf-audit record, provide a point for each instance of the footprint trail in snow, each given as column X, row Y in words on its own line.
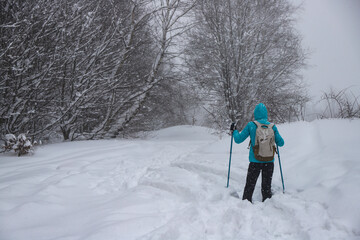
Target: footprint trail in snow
column 171, row 186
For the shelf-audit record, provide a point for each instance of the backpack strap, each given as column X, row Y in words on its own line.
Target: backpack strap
column 271, row 125
column 257, row 123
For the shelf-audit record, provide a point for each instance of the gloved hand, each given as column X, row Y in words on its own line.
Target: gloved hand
column 233, row 127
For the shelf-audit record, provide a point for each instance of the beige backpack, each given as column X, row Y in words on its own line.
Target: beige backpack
column 264, row 148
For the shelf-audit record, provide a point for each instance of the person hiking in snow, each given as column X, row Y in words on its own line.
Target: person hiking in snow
column 260, row 161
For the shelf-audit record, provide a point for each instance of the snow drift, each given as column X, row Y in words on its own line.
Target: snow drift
column 172, row 186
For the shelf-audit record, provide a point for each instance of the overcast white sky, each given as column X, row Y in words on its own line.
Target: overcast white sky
column 331, row 30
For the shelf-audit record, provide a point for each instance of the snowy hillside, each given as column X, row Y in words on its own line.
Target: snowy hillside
column 172, row 186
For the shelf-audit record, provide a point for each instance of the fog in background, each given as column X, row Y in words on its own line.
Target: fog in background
column 331, row 30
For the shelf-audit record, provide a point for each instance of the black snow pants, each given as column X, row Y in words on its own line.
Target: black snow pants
column 267, row 170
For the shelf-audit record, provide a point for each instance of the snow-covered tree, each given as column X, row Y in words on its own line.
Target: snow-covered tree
column 244, row 52
column 83, row 68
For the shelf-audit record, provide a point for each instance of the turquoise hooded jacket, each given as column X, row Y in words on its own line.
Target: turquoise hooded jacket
column 260, row 115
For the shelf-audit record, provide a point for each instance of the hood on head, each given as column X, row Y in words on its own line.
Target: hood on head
column 260, row 112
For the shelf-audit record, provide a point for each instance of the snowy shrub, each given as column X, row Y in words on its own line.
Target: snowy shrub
column 21, row 145
column 10, row 141
column 341, row 104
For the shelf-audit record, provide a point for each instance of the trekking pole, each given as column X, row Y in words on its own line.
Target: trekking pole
column 232, row 136
column 282, row 179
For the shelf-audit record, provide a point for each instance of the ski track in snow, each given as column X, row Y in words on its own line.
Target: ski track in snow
column 160, row 188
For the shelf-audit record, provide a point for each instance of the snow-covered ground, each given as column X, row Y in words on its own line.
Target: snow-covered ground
column 171, row 185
